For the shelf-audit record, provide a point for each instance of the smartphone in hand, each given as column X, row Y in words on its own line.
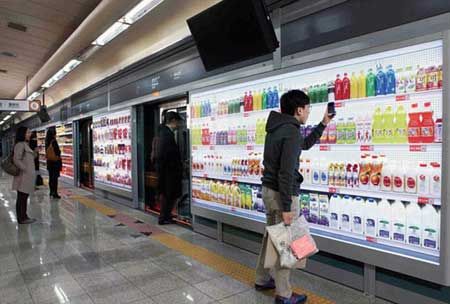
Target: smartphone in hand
column 331, row 109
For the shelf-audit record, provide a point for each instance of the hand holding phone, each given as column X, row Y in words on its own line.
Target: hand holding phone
column 330, row 113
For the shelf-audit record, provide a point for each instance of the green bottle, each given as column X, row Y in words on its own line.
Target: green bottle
column 264, row 100
column 371, row 83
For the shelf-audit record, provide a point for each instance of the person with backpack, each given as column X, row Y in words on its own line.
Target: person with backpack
column 54, row 162
column 23, row 183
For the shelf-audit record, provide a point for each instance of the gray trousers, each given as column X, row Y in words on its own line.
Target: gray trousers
column 274, row 212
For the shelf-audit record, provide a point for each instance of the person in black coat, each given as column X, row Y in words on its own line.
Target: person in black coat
column 34, row 146
column 169, row 166
column 53, row 166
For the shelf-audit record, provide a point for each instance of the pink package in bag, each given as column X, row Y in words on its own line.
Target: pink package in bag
column 304, row 247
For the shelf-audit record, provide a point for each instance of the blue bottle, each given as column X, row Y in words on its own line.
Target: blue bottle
column 381, row 81
column 269, row 99
column 276, row 98
column 390, row 80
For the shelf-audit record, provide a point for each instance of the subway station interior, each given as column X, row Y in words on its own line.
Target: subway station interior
column 173, row 151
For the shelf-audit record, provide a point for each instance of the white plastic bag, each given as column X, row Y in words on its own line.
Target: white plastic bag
column 282, row 236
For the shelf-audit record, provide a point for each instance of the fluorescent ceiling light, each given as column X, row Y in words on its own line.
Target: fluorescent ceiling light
column 111, row 33
column 34, row 96
column 140, row 10
column 1, row 122
column 7, row 117
column 12, row 113
column 61, row 73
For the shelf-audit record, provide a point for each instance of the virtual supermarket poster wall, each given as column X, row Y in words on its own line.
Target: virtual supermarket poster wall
column 112, row 149
column 374, row 177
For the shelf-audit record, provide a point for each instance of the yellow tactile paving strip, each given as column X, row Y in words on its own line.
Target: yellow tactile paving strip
column 215, row 261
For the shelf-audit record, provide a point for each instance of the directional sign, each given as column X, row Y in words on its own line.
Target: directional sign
column 20, row 105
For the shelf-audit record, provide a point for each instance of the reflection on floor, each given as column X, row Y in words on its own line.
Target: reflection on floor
column 82, row 250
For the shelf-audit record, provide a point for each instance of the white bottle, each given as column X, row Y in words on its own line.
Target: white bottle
column 358, row 215
column 375, row 173
column 335, row 211
column 324, row 213
column 314, row 208
column 431, row 219
column 368, row 129
column 387, row 179
column 384, row 218
column 435, row 180
column 411, row 178
column 315, row 171
column 414, row 224
column 423, row 179
column 398, row 175
column 364, row 173
column 346, row 213
column 370, row 215
column 308, row 172
column 398, row 221
column 323, row 172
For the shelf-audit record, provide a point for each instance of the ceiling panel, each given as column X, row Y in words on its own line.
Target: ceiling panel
column 49, row 23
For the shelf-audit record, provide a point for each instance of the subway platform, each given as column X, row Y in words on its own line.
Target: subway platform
column 85, row 249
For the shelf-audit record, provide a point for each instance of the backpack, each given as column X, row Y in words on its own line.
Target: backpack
column 50, row 153
column 9, row 166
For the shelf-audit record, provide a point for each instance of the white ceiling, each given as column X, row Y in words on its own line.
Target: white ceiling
column 48, row 24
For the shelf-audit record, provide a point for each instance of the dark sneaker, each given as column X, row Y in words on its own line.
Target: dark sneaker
column 27, row 221
column 56, row 195
column 266, row 286
column 294, row 299
column 166, row 222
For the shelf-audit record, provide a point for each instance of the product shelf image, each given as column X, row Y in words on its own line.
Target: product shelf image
column 240, row 179
column 409, row 197
column 380, row 148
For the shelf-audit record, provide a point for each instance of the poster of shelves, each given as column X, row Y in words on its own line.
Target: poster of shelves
column 112, row 149
column 65, row 142
column 374, row 177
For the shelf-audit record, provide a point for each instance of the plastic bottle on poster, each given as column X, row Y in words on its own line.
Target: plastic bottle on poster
column 414, row 224
column 387, row 176
column 371, row 83
column 276, row 98
column 438, row 129
column 390, row 80
column 375, row 173
column 332, row 132
column 400, row 80
column 335, row 211
column 346, row 87
column 421, row 79
column 388, row 126
column 324, row 213
column 358, row 207
column 427, row 124
column 398, row 176
column 331, row 94
column 411, row 174
column 304, row 205
column 314, row 208
column 315, row 171
column 414, row 124
column 264, row 100
column 432, row 78
column 308, row 172
column 364, row 173
column 384, row 218
column 440, row 75
column 381, row 81
column 350, row 131
column 323, row 171
column 338, row 88
column 354, row 86
column 362, row 85
column 431, row 220
column 370, row 216
column 401, row 126
column 410, row 75
column 398, row 221
column 377, row 126
column 435, row 179
column 346, row 213
column 423, row 179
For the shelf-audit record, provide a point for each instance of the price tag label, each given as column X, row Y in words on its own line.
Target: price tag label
column 371, row 239
column 339, row 104
column 333, row 190
column 194, row 148
column 205, row 175
column 250, row 148
column 325, row 148
column 246, row 114
column 233, row 209
column 234, row 179
column 418, row 148
column 402, row 97
column 425, row 200
column 366, row 148
column 213, row 118
column 211, row 147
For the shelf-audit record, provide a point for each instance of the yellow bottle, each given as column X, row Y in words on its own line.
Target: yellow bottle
column 362, row 85
column 354, row 86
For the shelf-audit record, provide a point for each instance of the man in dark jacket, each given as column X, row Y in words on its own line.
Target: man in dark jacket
column 281, row 181
column 170, row 166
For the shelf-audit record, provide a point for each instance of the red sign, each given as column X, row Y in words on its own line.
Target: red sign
column 425, row 200
column 339, row 104
column 325, row 148
column 418, row 148
column 366, row 148
column 333, row 190
column 402, row 97
column 205, row 175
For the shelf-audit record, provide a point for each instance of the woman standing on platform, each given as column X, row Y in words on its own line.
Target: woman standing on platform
column 54, row 163
column 23, row 183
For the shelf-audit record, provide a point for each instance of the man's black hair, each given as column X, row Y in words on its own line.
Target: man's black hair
column 170, row 116
column 21, row 134
column 292, row 100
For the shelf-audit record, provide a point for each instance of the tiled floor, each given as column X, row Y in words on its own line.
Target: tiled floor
column 74, row 254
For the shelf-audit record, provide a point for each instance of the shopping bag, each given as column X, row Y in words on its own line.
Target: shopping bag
column 39, row 180
column 283, row 236
column 51, row 154
column 9, row 166
column 271, row 255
